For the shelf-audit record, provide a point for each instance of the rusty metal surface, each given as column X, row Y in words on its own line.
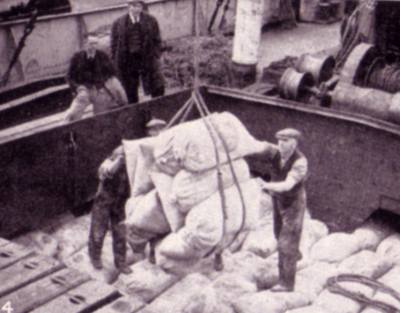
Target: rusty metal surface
column 354, row 160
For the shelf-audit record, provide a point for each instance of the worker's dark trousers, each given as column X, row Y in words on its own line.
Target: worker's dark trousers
column 109, row 210
column 288, row 223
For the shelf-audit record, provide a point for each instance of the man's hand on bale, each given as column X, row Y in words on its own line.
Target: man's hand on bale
column 108, row 168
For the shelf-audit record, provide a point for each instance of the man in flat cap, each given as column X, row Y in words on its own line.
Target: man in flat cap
column 288, row 171
column 109, row 204
column 136, row 50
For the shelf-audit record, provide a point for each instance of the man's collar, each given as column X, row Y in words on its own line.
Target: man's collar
column 286, row 158
column 133, row 19
column 90, row 56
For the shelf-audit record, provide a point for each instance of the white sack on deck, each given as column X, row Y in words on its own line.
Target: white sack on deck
column 371, row 235
column 139, row 160
column 335, row 247
column 189, row 145
column 390, row 248
column 390, row 279
column 270, row 302
column 189, row 188
column 312, row 280
column 261, row 241
column 171, row 209
column 313, row 231
column 335, row 303
column 204, row 223
column 366, row 263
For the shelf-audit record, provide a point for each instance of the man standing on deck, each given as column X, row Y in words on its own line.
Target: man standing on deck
column 289, row 169
column 91, row 76
column 109, row 205
column 136, row 50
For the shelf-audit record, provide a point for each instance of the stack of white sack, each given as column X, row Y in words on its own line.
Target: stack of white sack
column 175, row 188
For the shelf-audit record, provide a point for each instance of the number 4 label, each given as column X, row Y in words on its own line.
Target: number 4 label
column 7, row 307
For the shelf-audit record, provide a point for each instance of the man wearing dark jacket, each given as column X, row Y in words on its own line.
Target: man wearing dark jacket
column 91, row 76
column 109, row 205
column 135, row 51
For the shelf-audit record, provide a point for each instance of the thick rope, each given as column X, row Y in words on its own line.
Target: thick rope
column 188, row 105
column 207, row 122
column 334, row 287
column 234, row 176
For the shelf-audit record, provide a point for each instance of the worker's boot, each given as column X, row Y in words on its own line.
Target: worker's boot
column 218, row 262
column 97, row 263
column 152, row 252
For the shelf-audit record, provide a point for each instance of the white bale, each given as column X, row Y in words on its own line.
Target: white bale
column 189, row 145
column 266, row 209
column 390, row 248
column 72, row 236
column 247, row 265
column 335, row 303
column 189, row 188
column 191, row 294
column 371, row 235
column 230, row 287
column 313, row 231
column 366, row 263
column 139, row 159
column 203, row 227
column 146, row 210
column 267, row 301
column 171, row 209
column 391, row 280
column 147, row 281
column 335, row 247
column 308, row 309
column 39, row 242
column 312, row 280
column 268, row 275
column 261, row 241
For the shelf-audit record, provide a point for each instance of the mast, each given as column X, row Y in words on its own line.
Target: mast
column 246, row 43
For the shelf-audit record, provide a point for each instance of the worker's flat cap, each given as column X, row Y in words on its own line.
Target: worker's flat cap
column 288, row 133
column 155, row 122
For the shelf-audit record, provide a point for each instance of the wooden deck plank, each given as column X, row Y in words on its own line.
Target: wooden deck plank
column 11, row 253
column 87, row 297
column 44, row 290
column 126, row 304
column 26, row 271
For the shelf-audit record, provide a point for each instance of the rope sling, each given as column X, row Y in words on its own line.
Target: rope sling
column 196, row 101
column 334, row 287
